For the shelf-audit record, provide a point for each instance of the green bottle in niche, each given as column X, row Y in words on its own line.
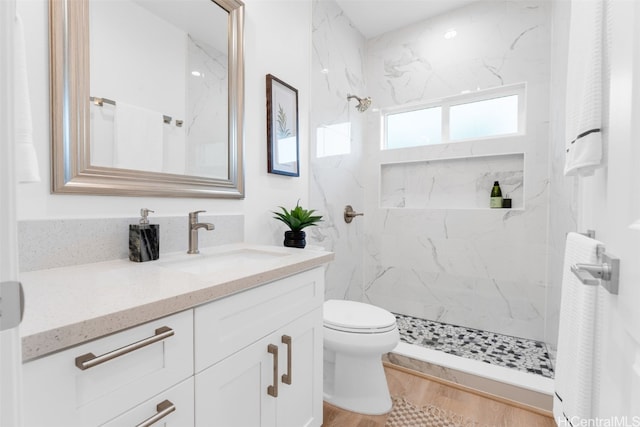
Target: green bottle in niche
column 496, row 196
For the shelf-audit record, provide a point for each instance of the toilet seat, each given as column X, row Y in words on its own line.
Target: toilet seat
column 357, row 317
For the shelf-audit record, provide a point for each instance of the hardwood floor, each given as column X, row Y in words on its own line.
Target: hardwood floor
column 422, row 390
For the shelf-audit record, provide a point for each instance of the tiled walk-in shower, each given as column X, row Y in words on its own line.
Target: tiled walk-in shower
column 503, row 350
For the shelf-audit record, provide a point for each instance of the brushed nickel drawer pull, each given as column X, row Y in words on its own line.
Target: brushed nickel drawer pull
column 272, row 390
column 163, row 409
column 286, row 378
column 90, row 360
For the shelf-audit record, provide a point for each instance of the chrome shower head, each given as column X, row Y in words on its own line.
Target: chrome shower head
column 363, row 103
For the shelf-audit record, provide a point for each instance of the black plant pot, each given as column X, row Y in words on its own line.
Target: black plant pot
column 295, row 239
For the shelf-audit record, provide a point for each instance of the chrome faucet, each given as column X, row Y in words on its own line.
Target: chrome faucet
column 194, row 225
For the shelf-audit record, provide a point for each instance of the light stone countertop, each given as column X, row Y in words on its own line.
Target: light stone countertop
column 70, row 305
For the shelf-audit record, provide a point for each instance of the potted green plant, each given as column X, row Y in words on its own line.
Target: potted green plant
column 297, row 219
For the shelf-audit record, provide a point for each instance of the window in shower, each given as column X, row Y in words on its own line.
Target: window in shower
column 414, row 128
column 485, row 118
column 488, row 113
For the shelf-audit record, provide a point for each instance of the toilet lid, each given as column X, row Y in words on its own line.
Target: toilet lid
column 357, row 317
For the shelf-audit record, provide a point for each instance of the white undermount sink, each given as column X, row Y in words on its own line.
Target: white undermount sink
column 209, row 263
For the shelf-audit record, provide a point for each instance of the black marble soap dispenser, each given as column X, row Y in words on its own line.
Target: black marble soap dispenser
column 144, row 239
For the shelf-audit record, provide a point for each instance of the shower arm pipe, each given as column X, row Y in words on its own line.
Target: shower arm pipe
column 360, row 100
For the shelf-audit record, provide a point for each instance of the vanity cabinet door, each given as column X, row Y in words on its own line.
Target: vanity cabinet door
column 299, row 401
column 249, row 389
column 233, row 392
column 171, row 408
column 59, row 393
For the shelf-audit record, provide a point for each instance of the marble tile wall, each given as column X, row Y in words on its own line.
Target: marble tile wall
column 481, row 268
column 491, row 269
column 55, row 243
column 206, row 118
column 336, row 181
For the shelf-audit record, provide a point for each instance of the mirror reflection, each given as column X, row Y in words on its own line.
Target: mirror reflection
column 147, row 97
column 159, row 86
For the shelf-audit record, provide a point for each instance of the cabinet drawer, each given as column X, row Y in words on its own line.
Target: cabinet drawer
column 172, row 408
column 225, row 326
column 58, row 392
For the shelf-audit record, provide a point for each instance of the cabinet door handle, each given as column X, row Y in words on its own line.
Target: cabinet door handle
column 272, row 390
column 90, row 360
column 286, row 378
column 163, row 409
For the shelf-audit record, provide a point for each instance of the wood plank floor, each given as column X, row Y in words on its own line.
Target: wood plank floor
column 422, row 390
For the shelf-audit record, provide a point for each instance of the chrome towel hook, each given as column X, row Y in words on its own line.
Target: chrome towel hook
column 606, row 274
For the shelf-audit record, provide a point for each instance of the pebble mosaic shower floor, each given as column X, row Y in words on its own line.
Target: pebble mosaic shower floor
column 503, row 350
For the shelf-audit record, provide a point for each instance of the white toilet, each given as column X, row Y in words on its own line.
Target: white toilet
column 356, row 335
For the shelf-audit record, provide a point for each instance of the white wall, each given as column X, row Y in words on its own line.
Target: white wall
column 277, row 41
column 155, row 80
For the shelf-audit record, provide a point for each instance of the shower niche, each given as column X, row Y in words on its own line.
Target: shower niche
column 454, row 183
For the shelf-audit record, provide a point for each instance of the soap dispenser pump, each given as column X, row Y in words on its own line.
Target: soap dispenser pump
column 144, row 239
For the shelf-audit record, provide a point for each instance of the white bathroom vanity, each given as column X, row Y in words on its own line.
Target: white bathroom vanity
column 229, row 337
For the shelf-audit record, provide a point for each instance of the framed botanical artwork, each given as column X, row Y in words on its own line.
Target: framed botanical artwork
column 282, row 128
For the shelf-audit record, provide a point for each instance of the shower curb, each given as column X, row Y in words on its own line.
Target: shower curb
column 532, row 392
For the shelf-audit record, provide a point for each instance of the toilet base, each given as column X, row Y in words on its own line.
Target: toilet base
column 356, row 384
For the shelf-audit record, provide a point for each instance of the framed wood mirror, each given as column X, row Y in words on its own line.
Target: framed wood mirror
column 147, row 97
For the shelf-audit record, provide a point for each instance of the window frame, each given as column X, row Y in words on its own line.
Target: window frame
column 445, row 103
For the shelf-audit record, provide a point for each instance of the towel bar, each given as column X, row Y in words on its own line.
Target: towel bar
column 606, row 274
column 101, row 101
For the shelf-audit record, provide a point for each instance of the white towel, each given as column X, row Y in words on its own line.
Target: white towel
column 26, row 158
column 575, row 376
column 138, row 138
column 584, row 88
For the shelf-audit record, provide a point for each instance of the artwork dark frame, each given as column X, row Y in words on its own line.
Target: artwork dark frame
column 283, row 141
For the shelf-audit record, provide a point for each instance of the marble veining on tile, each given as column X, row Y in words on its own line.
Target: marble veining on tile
column 503, row 350
column 424, row 253
column 336, row 180
column 451, row 183
column 433, row 248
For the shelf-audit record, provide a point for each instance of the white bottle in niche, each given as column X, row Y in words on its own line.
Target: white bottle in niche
column 496, row 196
